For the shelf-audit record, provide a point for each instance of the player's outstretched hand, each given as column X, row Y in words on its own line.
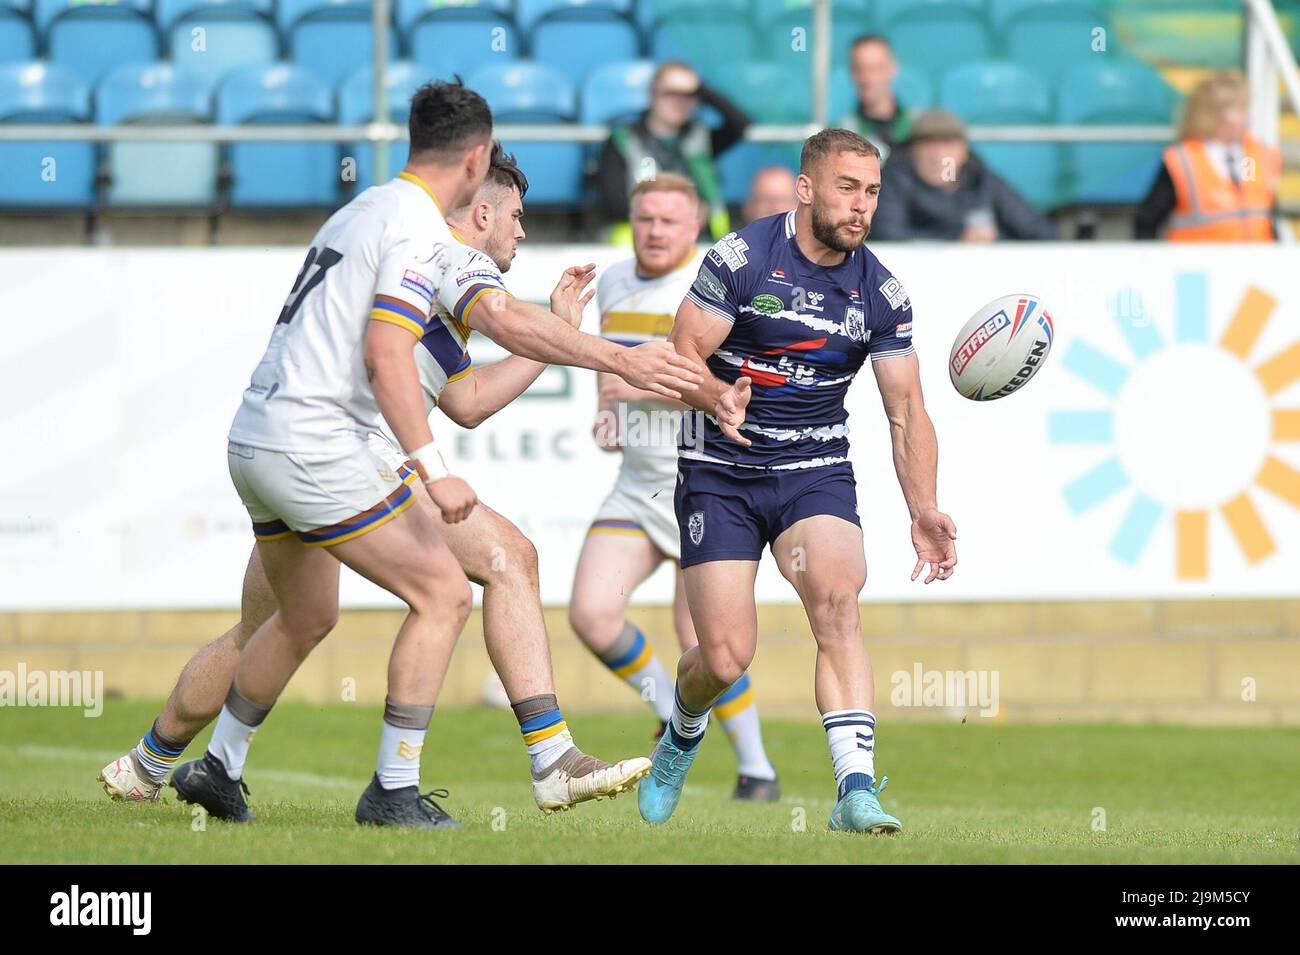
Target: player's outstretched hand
column 730, row 410
column 934, row 535
column 567, row 300
column 656, row 366
column 454, row 498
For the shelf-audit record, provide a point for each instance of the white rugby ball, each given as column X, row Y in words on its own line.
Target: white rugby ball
column 1001, row 348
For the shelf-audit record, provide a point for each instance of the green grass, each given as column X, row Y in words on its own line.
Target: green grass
column 974, row 792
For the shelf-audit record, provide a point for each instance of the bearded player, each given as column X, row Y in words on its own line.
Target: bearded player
column 514, row 631
column 635, row 529
column 784, row 313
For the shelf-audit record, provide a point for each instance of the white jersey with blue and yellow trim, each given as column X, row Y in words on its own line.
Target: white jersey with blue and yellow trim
column 382, row 257
column 635, row 310
column 442, row 355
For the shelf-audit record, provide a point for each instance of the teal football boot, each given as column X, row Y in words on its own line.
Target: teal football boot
column 659, row 792
column 859, row 810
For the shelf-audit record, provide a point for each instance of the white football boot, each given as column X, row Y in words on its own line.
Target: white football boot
column 125, row 782
column 576, row 777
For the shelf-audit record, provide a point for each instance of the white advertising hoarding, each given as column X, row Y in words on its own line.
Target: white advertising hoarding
column 1156, row 455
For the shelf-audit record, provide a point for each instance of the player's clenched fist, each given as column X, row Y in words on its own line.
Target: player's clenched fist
column 656, row 366
column 731, row 407
column 454, row 498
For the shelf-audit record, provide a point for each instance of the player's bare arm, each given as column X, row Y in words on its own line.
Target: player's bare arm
column 390, row 365
column 533, row 332
column 697, row 333
column 916, row 460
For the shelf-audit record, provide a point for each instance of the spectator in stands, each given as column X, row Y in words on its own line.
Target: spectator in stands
column 668, row 138
column 1218, row 183
column 879, row 116
column 935, row 188
column 770, row 191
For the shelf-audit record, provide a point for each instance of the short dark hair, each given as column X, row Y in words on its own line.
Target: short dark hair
column 446, row 120
column 504, row 171
column 828, row 142
column 864, row 38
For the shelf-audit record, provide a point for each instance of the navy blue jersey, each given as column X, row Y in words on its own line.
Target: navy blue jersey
column 800, row 332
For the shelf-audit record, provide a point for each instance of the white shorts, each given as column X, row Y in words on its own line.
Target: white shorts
column 640, row 505
column 324, row 499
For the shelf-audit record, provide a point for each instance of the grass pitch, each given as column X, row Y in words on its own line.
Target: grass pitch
column 973, row 792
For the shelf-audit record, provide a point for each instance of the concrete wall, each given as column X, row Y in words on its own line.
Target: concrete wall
column 1177, row 661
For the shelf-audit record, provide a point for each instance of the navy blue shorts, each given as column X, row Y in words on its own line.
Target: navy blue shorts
column 732, row 513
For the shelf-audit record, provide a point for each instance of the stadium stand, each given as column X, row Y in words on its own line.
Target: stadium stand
column 594, row 58
column 45, row 175
column 357, row 106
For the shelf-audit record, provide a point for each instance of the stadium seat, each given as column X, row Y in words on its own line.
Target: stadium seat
column 578, row 36
column 92, row 38
column 17, row 37
column 45, row 175
column 527, row 92
column 617, row 91
column 778, row 21
column 696, row 35
column 357, row 106
column 332, row 38
column 280, row 174
column 934, row 35
column 158, row 174
column 912, row 89
column 448, row 39
column 211, row 38
column 1053, row 35
column 993, row 92
column 1113, row 92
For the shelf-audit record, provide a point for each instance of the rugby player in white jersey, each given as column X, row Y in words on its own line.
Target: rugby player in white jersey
column 353, row 358
column 635, row 529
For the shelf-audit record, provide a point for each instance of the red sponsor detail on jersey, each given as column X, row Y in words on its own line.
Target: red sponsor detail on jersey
column 773, row 379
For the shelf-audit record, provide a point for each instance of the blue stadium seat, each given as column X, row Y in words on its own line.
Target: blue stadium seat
column 995, row 92
column 578, row 36
column 17, row 37
column 332, row 38
column 158, row 174
column 211, row 38
column 771, row 91
column 533, row 93
column 42, row 175
column 934, row 35
column 461, row 38
column 356, row 106
column 778, row 21
column 1113, row 92
column 1054, row 35
column 92, row 38
column 617, row 91
column 698, row 35
column 280, row 174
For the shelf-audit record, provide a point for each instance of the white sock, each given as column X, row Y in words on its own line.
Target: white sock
column 543, row 754
column 400, row 743
column 688, row 727
column 852, row 738
column 631, row 658
column 231, row 738
column 739, row 715
column 399, row 756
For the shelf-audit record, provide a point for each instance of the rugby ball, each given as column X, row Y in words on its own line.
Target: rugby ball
column 1001, row 348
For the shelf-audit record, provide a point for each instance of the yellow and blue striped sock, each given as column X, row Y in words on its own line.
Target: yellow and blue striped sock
column 545, row 733
column 157, row 753
column 633, row 658
column 739, row 715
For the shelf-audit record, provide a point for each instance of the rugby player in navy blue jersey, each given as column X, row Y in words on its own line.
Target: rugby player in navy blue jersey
column 784, row 313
